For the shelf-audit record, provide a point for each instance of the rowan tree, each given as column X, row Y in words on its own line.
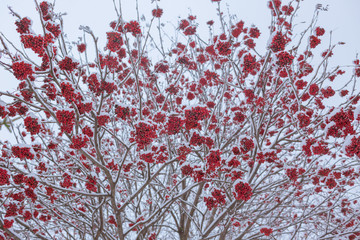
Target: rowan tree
column 186, row 138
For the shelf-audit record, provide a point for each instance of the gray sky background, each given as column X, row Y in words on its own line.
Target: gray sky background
column 342, row 18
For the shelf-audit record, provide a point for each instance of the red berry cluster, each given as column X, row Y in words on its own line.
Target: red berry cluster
column 287, row 10
column 87, row 131
column 246, row 145
column 314, row 41
column 158, row 12
column 161, row 67
column 66, row 119
column 193, row 116
column 307, row 146
column 249, row 64
column 213, row 161
column 217, row 198
column 319, row 31
column 249, row 94
column 254, row 32
column 94, row 84
column 81, row 47
column 115, row 41
column 328, row 92
column 31, row 182
column 35, row 43
column 22, row 70
column 343, row 124
column 54, row 29
column 91, row 184
column 224, row 48
column 108, row 87
column 148, row 157
column 79, row 141
column 18, row 179
column 45, row 9
column 278, row 42
column 191, row 30
column 242, row 191
column 313, row 89
column 67, row 91
column 23, row 25
column 284, row 58
column 145, row 134
column 237, row 29
column 331, row 183
column 353, row 148
column 184, row 24
column 304, row 120
column 3, row 112
column 239, row 117
column 102, row 120
column 4, row 177
column 8, row 223
column 67, row 64
column 66, row 183
column 266, row 231
column 293, row 173
column 174, row 125
column 133, row 27
column 122, row 112
column 22, row 152
column 32, row 125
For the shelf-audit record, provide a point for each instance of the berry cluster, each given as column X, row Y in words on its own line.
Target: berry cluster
column 213, row 161
column 319, row 31
column 174, row 125
column 32, row 125
column 158, row 12
column 217, row 198
column 91, row 184
column 246, row 145
column 67, row 64
column 67, row 91
column 66, row 183
column 115, row 41
column 278, row 42
column 66, row 119
column 35, row 43
column 284, row 58
column 144, row 135
column 4, row 177
column 81, row 47
column 22, row 70
column 102, row 120
column 122, row 112
column 314, row 41
column 133, row 27
column 22, row 152
column 353, row 148
column 161, row 67
column 343, row 124
column 224, row 48
column 249, row 64
column 23, row 25
column 266, row 231
column 242, row 191
column 54, row 29
column 193, row 116
column 79, row 141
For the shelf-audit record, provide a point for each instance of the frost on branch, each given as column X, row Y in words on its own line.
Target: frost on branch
column 149, row 138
